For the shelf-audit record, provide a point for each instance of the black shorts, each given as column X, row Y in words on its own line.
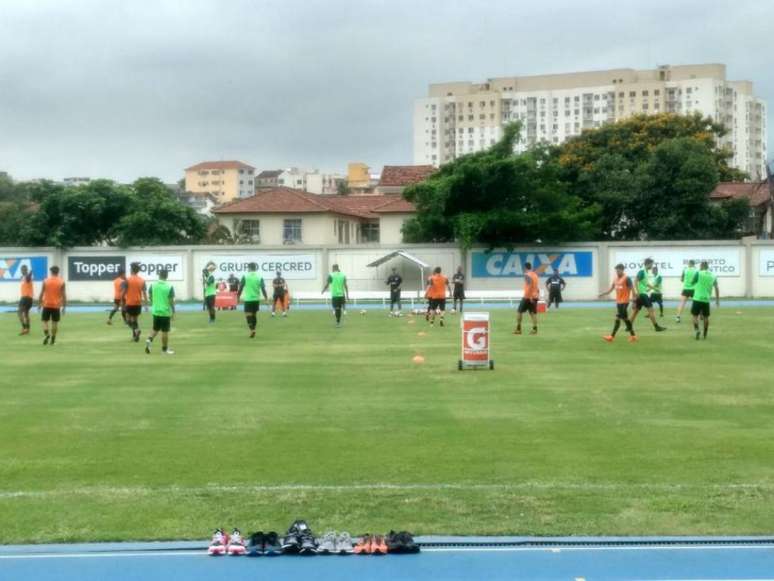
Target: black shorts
column 687, row 293
column 437, row 304
column 279, row 296
column 656, row 298
column 338, row 302
column 643, row 301
column 395, row 296
column 528, row 306
column 134, row 310
column 252, row 307
column 622, row 311
column 700, row 309
column 51, row 314
column 555, row 295
column 210, row 301
column 459, row 294
column 25, row 304
column 161, row 323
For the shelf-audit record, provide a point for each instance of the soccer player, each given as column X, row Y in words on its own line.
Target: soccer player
column 687, row 278
column 395, row 282
column 529, row 300
column 703, row 283
column 657, row 291
column 52, row 301
column 250, row 288
column 459, row 289
column 26, row 294
column 118, row 284
column 134, row 295
column 555, row 285
column 644, row 286
column 437, row 287
column 339, row 291
column 280, row 287
column 624, row 289
column 162, row 299
column 210, row 289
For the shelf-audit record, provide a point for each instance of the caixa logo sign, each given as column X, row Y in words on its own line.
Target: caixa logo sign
column 10, row 267
column 511, row 264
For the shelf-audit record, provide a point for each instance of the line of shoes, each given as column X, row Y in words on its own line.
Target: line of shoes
column 300, row 540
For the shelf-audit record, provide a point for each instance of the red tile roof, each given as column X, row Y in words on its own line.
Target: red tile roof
column 757, row 193
column 219, row 165
column 405, row 175
column 290, row 201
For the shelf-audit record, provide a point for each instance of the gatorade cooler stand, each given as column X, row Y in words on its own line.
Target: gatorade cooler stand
column 475, row 331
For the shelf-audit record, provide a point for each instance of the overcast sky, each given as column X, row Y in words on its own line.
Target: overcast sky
column 130, row 88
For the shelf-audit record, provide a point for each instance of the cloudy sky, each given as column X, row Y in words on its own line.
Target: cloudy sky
column 123, row 89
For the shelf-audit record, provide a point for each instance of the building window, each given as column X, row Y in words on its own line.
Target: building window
column 369, row 232
column 342, row 227
column 291, row 231
column 251, row 230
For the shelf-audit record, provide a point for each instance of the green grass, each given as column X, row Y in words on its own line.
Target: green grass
column 568, row 435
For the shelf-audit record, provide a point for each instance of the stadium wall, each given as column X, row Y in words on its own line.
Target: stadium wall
column 745, row 268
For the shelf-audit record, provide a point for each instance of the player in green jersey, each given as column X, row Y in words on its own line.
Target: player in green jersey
column 210, row 289
column 644, row 282
column 689, row 273
column 250, row 289
column 339, row 291
column 657, row 291
column 703, row 283
column 162, row 299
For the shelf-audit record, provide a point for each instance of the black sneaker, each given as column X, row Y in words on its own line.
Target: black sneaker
column 271, row 544
column 46, row 340
column 660, row 329
column 255, row 544
column 308, row 543
column 401, row 542
column 292, row 543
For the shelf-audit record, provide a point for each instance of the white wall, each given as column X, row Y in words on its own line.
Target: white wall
column 593, row 264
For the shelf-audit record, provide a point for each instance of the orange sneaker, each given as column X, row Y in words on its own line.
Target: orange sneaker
column 363, row 546
column 378, row 546
column 633, row 338
column 608, row 338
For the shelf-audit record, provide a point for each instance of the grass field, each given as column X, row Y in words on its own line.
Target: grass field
column 568, row 435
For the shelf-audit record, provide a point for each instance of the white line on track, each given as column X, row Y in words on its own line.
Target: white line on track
column 480, row 487
column 202, row 553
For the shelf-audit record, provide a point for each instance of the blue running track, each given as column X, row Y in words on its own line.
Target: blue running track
column 442, row 558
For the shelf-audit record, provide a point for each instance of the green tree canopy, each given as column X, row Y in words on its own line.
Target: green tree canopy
column 498, row 198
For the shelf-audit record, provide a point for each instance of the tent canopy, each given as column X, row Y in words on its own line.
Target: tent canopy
column 402, row 254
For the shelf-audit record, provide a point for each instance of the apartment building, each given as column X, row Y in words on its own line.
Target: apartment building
column 224, row 180
column 463, row 117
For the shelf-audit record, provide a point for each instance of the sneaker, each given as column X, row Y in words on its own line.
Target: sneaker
column 441, row 323
column 402, row 542
column 677, row 318
column 147, row 346
column 327, row 545
column 217, row 546
column 236, row 544
column 308, row 543
column 608, row 338
column 252, row 334
column 169, row 352
column 256, row 544
column 284, row 313
column 344, row 544
column 517, row 332
column 291, row 543
column 660, row 329
column 109, row 322
column 633, row 338
column 698, row 335
column 378, row 546
column 363, row 546
column 271, row 544
column 533, row 332
column 46, row 340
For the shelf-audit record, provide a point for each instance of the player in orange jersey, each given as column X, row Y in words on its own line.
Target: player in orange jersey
column 52, row 301
column 624, row 292
column 26, row 295
column 436, row 293
column 529, row 300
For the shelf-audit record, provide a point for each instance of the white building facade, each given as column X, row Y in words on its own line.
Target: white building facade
column 464, row 117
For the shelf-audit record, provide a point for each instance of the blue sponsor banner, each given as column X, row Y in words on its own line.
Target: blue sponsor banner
column 10, row 267
column 502, row 264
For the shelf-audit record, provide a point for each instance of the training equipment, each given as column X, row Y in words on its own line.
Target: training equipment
column 418, row 359
column 475, row 331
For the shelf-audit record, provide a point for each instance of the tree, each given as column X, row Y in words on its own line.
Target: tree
column 498, row 198
column 155, row 216
column 605, row 167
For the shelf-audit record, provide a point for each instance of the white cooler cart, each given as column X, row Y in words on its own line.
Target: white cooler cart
column 475, row 332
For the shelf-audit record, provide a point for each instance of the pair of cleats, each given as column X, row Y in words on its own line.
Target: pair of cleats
column 401, row 542
column 299, row 539
column 264, row 544
column 371, row 545
column 49, row 339
column 699, row 335
column 224, row 544
column 148, row 344
column 611, row 338
column 440, row 323
column 517, row 331
column 333, row 543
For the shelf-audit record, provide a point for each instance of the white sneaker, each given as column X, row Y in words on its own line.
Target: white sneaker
column 272, row 313
column 169, row 352
column 284, row 313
